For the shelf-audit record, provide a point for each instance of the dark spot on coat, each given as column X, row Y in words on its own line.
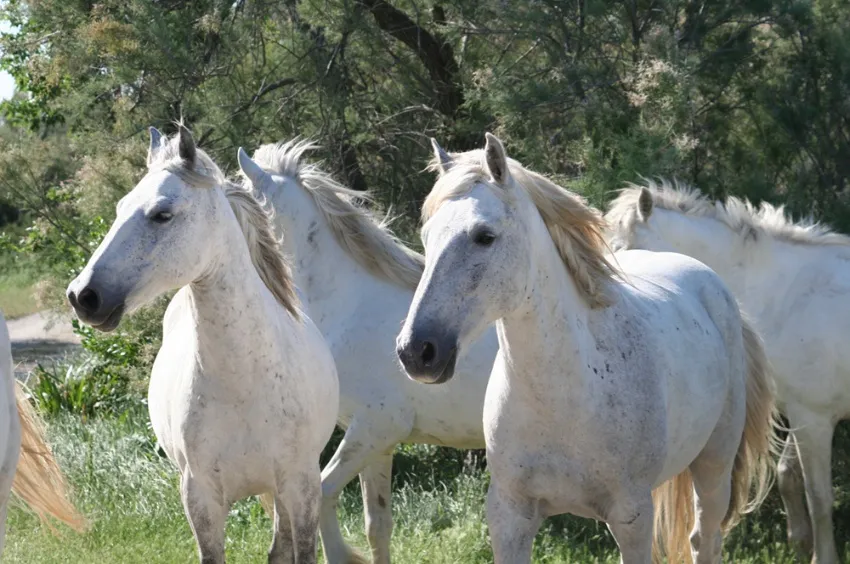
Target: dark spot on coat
column 311, row 233
column 381, row 501
column 477, row 276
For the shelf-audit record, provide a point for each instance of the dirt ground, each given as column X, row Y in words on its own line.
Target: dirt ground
column 41, row 337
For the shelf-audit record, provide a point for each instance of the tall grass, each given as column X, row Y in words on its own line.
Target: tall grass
column 131, row 495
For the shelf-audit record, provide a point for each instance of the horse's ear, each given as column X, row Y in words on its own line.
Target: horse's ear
column 444, row 160
column 496, row 159
column 252, row 171
column 645, row 204
column 186, row 146
column 156, row 144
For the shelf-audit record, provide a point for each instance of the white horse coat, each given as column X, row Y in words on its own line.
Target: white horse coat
column 794, row 280
column 603, row 388
column 243, row 394
column 358, row 281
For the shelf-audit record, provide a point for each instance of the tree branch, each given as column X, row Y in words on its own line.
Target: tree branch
column 433, row 51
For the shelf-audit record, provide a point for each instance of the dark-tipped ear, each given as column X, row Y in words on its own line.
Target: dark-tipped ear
column 186, row 146
column 645, row 204
column 496, row 159
column 252, row 171
column 156, row 143
column 444, row 160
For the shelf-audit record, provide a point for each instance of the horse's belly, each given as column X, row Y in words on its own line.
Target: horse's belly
column 693, row 414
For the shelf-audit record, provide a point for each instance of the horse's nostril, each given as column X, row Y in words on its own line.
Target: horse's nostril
column 429, row 352
column 89, row 300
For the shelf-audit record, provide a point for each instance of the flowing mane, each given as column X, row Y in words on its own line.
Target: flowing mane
column 364, row 237
column 738, row 215
column 576, row 228
column 255, row 219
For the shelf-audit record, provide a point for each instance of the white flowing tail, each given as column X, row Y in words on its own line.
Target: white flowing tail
column 751, row 474
column 38, row 480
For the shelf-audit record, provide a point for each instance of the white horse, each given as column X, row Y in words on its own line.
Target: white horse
column 243, row 394
column 358, row 281
column 27, row 466
column 794, row 279
column 607, row 384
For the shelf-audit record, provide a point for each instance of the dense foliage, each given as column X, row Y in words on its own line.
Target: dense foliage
column 737, row 97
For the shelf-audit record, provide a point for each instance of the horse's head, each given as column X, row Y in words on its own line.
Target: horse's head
column 160, row 239
column 631, row 224
column 476, row 260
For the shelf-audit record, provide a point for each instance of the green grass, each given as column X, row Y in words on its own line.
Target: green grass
column 131, row 496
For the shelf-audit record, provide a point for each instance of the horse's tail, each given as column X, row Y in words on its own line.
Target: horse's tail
column 752, row 475
column 38, row 480
column 674, row 518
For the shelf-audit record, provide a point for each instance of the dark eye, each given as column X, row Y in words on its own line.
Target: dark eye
column 484, row 238
column 162, row 217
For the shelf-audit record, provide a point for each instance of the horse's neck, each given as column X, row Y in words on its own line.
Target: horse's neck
column 711, row 242
column 545, row 338
column 232, row 307
column 746, row 266
column 332, row 281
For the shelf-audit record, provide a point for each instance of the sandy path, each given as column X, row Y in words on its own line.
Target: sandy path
column 40, row 337
column 42, row 327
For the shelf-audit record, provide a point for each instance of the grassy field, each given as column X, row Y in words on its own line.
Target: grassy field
column 131, row 496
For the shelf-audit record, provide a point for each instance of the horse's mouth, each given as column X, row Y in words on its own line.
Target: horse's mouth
column 446, row 373
column 112, row 320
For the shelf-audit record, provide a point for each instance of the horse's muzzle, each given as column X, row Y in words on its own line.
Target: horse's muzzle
column 427, row 356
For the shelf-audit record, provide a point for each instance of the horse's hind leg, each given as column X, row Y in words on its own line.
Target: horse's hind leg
column 376, row 483
column 301, row 493
column 793, row 492
column 207, row 513
column 712, row 479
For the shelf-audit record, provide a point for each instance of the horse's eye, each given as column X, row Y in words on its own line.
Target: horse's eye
column 162, row 217
column 484, row 238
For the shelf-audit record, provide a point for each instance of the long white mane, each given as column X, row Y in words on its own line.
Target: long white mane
column 739, row 215
column 255, row 219
column 366, row 238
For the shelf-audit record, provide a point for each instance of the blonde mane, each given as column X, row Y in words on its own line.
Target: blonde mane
column 741, row 216
column 255, row 219
column 365, row 238
column 576, row 228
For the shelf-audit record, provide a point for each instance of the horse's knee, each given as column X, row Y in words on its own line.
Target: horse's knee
column 790, row 478
column 378, row 528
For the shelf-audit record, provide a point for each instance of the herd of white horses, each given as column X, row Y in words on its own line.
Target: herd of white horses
column 602, row 361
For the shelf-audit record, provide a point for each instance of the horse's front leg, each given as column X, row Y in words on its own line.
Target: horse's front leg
column 206, row 511
column 376, row 484
column 512, row 528
column 302, row 496
column 793, row 492
column 630, row 521
column 364, row 443
column 813, row 433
